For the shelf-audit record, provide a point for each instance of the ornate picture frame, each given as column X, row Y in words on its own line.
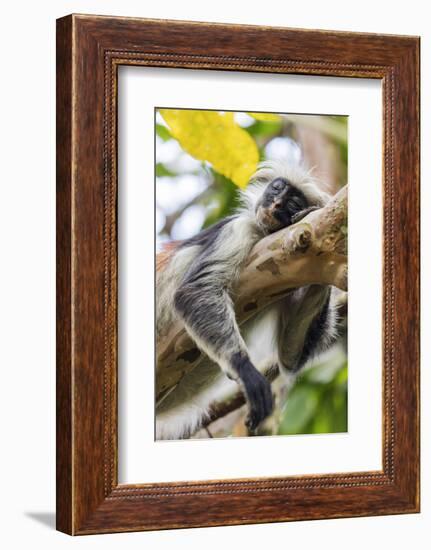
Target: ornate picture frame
column 89, row 51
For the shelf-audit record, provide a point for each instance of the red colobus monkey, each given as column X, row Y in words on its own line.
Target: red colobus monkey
column 195, row 278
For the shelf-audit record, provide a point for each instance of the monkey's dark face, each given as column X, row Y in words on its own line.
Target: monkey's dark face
column 278, row 204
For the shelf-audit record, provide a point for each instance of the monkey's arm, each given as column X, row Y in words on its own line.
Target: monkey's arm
column 204, row 303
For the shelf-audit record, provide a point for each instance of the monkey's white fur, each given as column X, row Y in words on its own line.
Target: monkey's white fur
column 293, row 172
column 182, row 411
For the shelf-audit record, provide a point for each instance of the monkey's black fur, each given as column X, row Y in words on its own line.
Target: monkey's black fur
column 208, row 236
column 314, row 334
column 256, row 387
column 285, row 199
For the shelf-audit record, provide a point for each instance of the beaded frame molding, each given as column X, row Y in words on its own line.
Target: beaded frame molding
column 89, row 51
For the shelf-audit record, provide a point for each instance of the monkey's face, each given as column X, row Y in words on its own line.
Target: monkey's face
column 278, row 204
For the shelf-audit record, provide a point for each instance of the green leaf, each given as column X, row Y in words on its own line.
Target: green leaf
column 224, row 199
column 331, row 415
column 341, row 378
column 163, row 132
column 265, row 117
column 264, row 129
column 301, row 406
column 217, row 139
column 161, row 171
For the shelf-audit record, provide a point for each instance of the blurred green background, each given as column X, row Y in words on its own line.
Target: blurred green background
column 202, row 159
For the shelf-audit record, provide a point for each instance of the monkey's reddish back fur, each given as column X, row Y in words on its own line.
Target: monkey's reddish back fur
column 165, row 254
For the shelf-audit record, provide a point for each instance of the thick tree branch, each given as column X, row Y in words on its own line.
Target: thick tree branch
column 313, row 251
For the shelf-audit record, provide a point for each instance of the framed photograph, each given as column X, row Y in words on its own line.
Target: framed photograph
column 237, row 274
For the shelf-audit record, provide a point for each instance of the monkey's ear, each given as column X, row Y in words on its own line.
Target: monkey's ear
column 163, row 257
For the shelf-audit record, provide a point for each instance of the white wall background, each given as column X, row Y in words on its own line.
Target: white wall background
column 27, row 288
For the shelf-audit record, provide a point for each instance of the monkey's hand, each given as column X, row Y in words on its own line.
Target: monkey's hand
column 300, row 215
column 257, row 390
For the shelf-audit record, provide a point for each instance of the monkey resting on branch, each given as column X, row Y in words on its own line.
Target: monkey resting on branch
column 248, row 296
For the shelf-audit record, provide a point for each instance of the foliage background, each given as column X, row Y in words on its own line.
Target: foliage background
column 203, row 158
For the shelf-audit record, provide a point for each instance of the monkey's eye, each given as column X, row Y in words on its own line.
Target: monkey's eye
column 278, row 185
column 294, row 203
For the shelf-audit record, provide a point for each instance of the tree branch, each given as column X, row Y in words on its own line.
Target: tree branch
column 313, row 251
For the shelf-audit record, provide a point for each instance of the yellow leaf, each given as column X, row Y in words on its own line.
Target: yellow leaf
column 216, row 138
column 265, row 117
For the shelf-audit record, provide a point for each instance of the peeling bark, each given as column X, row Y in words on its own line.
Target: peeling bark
column 313, row 251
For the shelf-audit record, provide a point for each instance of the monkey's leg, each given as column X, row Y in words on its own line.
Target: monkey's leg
column 306, row 325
